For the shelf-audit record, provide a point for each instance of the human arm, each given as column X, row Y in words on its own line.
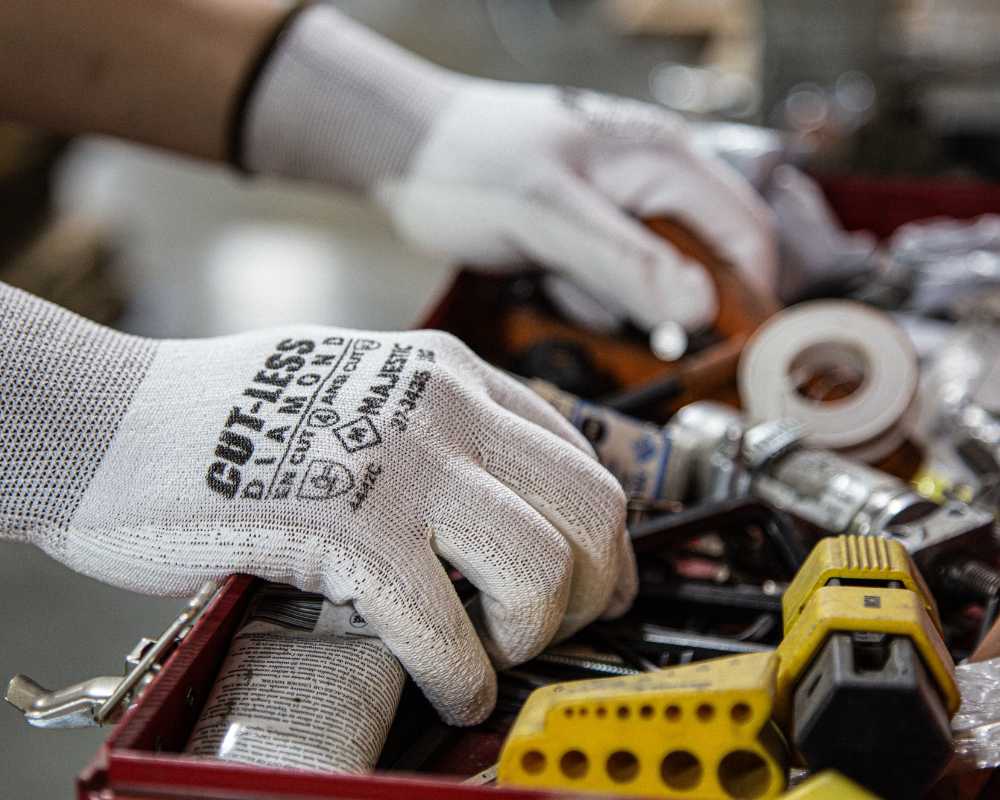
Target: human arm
column 159, row 72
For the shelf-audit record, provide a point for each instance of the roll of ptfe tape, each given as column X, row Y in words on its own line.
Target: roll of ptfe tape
column 845, row 371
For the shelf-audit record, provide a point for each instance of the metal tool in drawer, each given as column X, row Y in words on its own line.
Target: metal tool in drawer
column 103, row 700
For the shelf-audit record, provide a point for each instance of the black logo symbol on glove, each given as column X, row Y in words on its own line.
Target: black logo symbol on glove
column 358, row 434
column 323, row 418
column 324, row 480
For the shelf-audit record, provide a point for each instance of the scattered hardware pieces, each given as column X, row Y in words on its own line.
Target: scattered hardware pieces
column 725, row 518
column 831, row 493
column 944, row 261
column 962, row 398
column 862, row 636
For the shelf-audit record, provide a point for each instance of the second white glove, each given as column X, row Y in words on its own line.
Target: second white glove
column 558, row 177
column 498, row 174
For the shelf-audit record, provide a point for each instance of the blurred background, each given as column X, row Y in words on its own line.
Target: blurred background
column 166, row 247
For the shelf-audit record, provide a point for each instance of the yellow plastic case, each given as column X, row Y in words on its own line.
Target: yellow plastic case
column 853, row 558
column 701, row 730
column 812, row 610
column 862, row 608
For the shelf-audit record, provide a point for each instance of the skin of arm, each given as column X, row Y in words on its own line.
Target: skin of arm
column 160, row 72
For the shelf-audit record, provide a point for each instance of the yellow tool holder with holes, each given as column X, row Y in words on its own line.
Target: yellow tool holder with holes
column 829, row 785
column 702, row 730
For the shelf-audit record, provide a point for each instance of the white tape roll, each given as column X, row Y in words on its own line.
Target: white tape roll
column 838, row 341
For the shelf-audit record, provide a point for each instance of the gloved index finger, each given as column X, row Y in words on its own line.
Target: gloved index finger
column 576, row 229
column 703, row 193
column 520, row 562
column 513, row 393
column 414, row 609
column 579, row 498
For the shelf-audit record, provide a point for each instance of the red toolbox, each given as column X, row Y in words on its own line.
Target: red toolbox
column 142, row 759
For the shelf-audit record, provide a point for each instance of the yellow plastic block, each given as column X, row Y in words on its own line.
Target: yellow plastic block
column 854, row 558
column 862, row 608
column 697, row 731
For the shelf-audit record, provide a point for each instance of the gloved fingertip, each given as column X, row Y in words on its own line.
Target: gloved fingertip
column 627, row 586
column 701, row 303
column 581, row 307
column 474, row 706
column 681, row 293
column 622, row 599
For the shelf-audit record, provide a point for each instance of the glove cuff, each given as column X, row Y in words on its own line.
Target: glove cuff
column 334, row 102
column 67, row 384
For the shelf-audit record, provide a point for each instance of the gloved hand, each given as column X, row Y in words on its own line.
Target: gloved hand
column 492, row 173
column 343, row 462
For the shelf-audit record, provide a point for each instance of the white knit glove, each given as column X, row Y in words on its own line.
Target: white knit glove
column 343, row 462
column 493, row 173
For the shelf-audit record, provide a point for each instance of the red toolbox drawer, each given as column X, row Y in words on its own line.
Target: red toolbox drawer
column 141, row 758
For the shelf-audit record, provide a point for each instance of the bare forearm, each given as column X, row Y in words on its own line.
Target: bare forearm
column 160, row 72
